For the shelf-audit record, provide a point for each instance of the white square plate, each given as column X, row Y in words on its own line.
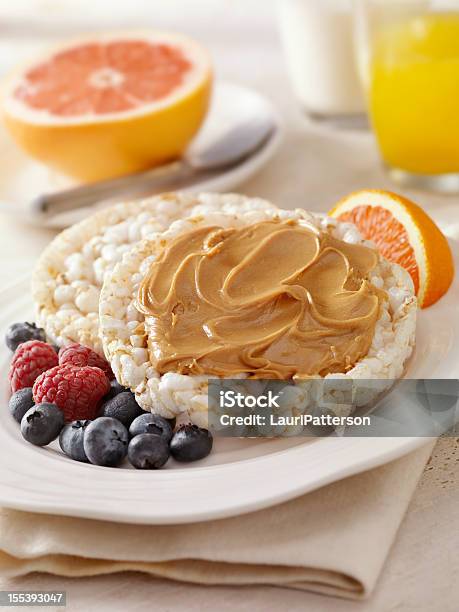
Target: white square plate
column 239, row 476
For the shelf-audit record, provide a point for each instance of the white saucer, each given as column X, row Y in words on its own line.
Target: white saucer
column 22, row 178
column 239, row 476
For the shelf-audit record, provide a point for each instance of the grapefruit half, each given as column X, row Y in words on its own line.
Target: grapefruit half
column 110, row 105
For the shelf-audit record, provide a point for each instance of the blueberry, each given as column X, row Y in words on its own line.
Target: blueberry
column 20, row 402
column 190, row 443
column 148, row 452
column 122, row 407
column 149, row 423
column 71, row 440
column 115, row 388
column 106, row 441
column 42, row 424
column 172, row 423
column 22, row 332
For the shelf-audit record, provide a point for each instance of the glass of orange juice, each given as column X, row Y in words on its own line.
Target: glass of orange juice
column 408, row 52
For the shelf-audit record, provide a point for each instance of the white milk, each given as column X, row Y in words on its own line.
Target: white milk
column 318, row 40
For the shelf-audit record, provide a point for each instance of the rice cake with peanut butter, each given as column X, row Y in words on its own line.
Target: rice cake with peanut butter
column 69, row 274
column 260, row 293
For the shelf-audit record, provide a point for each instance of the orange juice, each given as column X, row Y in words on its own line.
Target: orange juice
column 414, row 93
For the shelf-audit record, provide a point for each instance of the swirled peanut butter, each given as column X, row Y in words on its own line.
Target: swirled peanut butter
column 272, row 300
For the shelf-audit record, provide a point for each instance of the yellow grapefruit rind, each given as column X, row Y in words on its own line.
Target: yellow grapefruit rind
column 431, row 249
column 97, row 148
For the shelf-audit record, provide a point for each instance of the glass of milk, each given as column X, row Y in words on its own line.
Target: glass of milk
column 317, row 36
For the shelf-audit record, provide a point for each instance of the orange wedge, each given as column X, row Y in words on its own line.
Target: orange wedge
column 404, row 234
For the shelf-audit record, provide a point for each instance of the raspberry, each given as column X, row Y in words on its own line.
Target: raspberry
column 78, row 355
column 29, row 361
column 76, row 390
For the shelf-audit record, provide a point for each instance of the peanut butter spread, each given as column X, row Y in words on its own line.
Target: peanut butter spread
column 272, row 300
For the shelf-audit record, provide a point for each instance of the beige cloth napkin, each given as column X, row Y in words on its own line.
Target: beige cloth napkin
column 332, row 541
